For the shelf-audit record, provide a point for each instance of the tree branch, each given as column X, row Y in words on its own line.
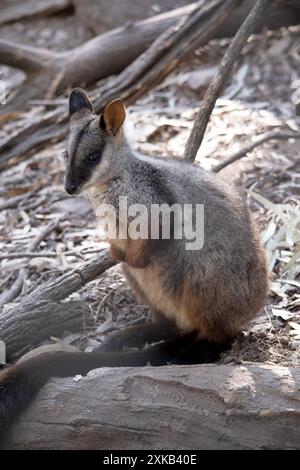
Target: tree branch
column 218, row 82
column 280, row 135
column 74, row 280
column 29, row 59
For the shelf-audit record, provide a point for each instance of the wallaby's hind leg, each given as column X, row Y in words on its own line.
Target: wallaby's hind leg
column 201, row 351
column 138, row 336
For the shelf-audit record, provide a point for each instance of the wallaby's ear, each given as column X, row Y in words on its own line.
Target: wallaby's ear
column 113, row 116
column 79, row 100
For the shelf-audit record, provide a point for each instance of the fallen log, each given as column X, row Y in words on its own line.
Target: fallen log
column 252, row 406
column 99, row 16
column 24, row 327
column 41, row 314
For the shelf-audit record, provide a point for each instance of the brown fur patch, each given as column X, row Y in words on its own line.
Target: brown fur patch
column 113, row 116
column 136, row 253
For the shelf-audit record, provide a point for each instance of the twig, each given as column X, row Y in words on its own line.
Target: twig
column 73, row 280
column 56, row 82
column 45, row 231
column 17, row 286
column 19, row 201
column 53, row 102
column 30, row 254
column 281, row 135
column 4, row 282
column 47, row 254
column 115, row 327
column 13, row 202
column 218, row 82
column 37, row 202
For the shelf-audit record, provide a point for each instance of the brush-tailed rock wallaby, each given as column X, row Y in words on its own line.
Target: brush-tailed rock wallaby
column 201, row 296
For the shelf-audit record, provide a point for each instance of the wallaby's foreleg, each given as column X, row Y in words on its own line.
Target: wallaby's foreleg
column 139, row 335
column 136, row 254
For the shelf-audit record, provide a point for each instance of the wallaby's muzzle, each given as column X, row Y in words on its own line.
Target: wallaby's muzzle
column 70, row 187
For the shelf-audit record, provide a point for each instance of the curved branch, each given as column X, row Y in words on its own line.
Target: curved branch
column 261, row 139
column 28, row 59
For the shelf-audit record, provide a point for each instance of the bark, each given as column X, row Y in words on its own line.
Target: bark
column 172, row 407
column 42, row 314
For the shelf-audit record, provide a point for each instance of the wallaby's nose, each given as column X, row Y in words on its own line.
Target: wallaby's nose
column 70, row 187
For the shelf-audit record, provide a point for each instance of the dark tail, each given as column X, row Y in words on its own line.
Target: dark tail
column 21, row 382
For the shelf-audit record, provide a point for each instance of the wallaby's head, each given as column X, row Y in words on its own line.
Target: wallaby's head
column 94, row 143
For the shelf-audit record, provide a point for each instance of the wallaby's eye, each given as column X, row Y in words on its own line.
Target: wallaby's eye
column 94, row 157
column 65, row 155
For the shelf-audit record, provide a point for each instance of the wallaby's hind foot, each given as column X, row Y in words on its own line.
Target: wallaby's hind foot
column 201, row 351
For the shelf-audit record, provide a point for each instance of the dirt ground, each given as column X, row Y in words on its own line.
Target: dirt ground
column 257, row 99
